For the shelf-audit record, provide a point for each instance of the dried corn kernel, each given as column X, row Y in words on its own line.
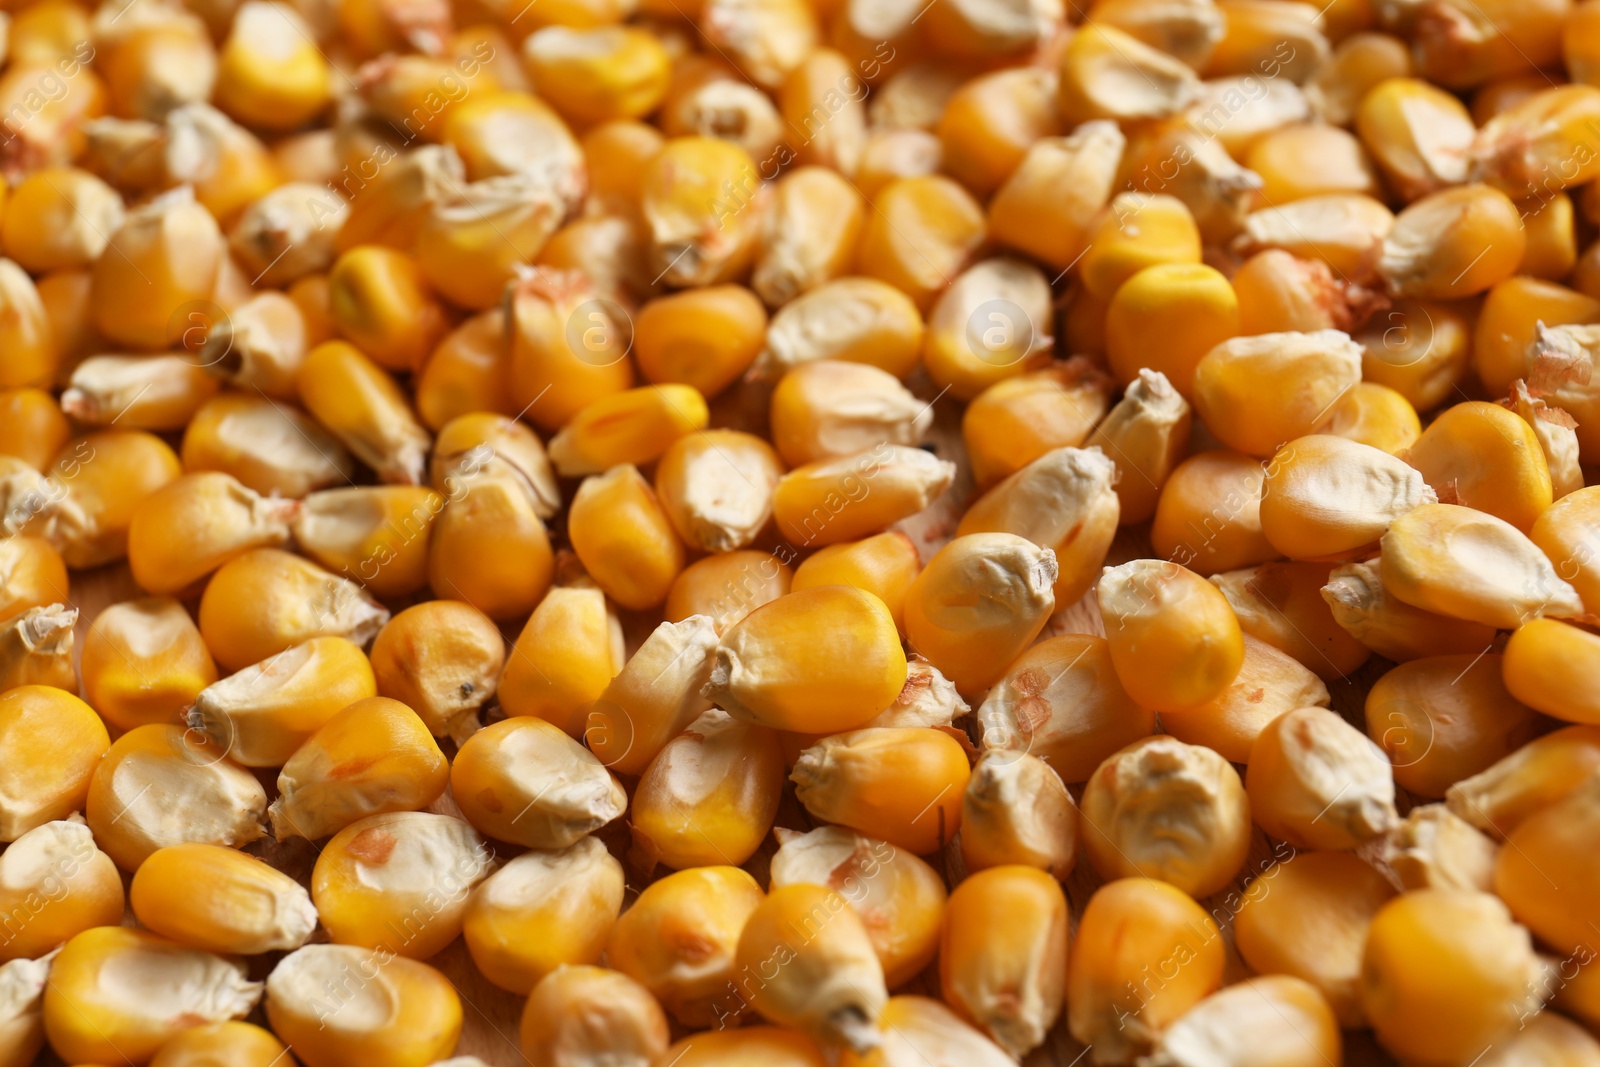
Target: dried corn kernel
column 221, row 900
column 1174, row 640
column 902, row 783
column 54, row 884
column 52, row 744
column 524, row 780
column 578, row 1013
column 1360, row 603
column 441, row 659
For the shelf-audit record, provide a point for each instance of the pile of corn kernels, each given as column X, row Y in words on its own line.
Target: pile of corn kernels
column 799, row 533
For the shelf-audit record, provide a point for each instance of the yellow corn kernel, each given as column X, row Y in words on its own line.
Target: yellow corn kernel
column 817, row 661
column 1130, row 926
column 1186, row 30
column 579, row 1012
column 1577, row 996
column 1560, row 839
column 400, row 1013
column 270, row 447
column 542, row 912
column 1418, row 135
column 55, row 884
column 824, row 409
column 901, row 900
column 1433, row 848
column 729, row 586
column 466, row 372
column 398, row 883
column 53, row 743
column 503, row 132
column 266, row 600
column 32, row 575
column 989, row 124
column 161, row 785
column 616, row 153
column 633, row 427
column 1208, row 516
column 142, row 392
column 241, row 1044
column 771, row 1046
column 1564, row 533
column 1311, row 160
column 598, row 74
column 1317, row 782
column 1549, row 1037
column 850, row 497
column 382, row 303
column 1552, row 249
column 921, row 233
column 488, row 446
column 1508, row 324
column 1375, row 415
column 1061, row 701
column 442, row 659
column 1017, row 811
column 609, row 249
column 1269, row 684
column 1540, row 144
column 567, row 654
column 364, row 408
column 706, row 338
column 190, row 527
column 1257, row 35
column 47, row 34
column 32, row 427
column 36, row 648
column 390, row 209
column 1182, row 158
column 823, row 98
column 1145, row 436
column 884, row 565
column 1419, row 348
column 1453, row 243
column 524, row 780
column 708, row 98
column 1466, row 564
column 914, row 1029
column 679, row 937
column 1136, row 231
column 1196, row 310
column 1108, row 74
column 654, row 697
column 261, row 346
column 489, row 548
column 1309, row 372
column 372, row 757
column 163, row 258
column 1191, row 792
column 120, row 994
column 1535, row 776
column 568, row 345
column 903, row 784
column 221, row 900
column 1434, row 996
column 1309, row 919
column 157, row 64
column 1341, row 230
column 144, row 661
column 816, row 931
column 621, row 532
column 1174, row 640
column 1360, row 603
column 1550, row 666
column 59, row 217
column 1045, row 208
column 979, row 604
column 1329, row 498
column 1359, row 64
column 469, row 246
column 269, row 72
column 701, row 200
column 53, row 132
column 710, row 794
column 377, row 535
column 1557, row 434
column 1486, row 458
column 1444, row 718
column 855, row 320
column 1016, row 421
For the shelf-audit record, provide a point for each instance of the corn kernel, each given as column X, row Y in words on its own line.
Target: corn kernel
column 568, row 347
column 1434, row 996
column 1282, row 604
column 634, row 427
column 1341, row 230
column 579, row 1013
column 1208, row 514
column 1359, row 64
column 567, row 654
column 1062, row 702
column 1130, row 928
column 902, row 783
column 1433, row 848
column 1329, row 498
column 241, row 1044
column 221, row 900
column 269, row 73
column 1017, row 811
column 1392, row 628
column 921, row 233
column 729, row 586
column 1258, row 33
column 1045, row 208
column 1108, row 74
column 1418, row 135
column 1308, row 371
column 654, row 697
column 59, row 217
column 542, row 912
column 524, row 780
column 491, row 447
column 710, row 794
column 1558, row 438
column 270, row 447
column 442, row 659
column 678, row 940
column 1463, row 563
column 120, row 994
column 916, row 1029
column 1559, row 839
column 1271, row 1021
column 1269, row 684
column 1317, row 782
column 809, row 233
column 1437, row 732
column 702, row 203
column 371, row 758
column 55, row 884
column 772, row 1046
column 144, row 661
column 706, row 338
column 1535, row 776
column 1136, row 231
column 364, row 408
column 1550, row 666
column 163, row 257
column 1174, row 640
column 375, row 534
column 823, row 98
column 1307, row 917
column 1453, row 243
column 400, row 1013
column 53, row 743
